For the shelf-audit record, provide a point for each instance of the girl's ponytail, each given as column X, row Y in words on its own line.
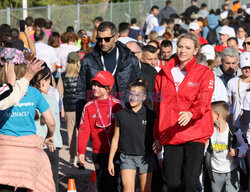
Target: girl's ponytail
column 44, row 74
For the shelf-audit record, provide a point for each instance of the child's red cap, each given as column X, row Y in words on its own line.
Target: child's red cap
column 105, row 78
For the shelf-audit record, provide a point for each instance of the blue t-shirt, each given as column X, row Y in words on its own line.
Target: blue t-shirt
column 19, row 119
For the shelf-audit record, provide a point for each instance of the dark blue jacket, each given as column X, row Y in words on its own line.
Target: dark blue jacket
column 127, row 71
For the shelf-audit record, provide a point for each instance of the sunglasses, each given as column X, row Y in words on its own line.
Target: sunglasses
column 106, row 39
column 248, row 43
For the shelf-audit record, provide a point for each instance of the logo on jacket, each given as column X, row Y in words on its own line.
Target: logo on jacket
column 144, row 122
column 192, row 84
column 211, row 84
column 94, row 116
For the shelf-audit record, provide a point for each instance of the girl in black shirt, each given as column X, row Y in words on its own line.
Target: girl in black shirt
column 133, row 138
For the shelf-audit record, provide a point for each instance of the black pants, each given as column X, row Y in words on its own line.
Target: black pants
column 6, row 188
column 104, row 181
column 54, row 161
column 182, row 166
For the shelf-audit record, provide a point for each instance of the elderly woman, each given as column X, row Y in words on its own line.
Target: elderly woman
column 183, row 115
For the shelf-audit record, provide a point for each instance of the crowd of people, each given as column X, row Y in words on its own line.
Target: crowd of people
column 166, row 105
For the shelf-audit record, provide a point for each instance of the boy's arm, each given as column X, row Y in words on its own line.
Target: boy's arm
column 242, row 145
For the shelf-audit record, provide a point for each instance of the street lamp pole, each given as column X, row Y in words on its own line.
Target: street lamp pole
column 25, row 9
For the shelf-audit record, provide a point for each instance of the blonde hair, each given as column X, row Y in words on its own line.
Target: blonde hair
column 19, row 69
column 72, row 69
column 152, row 35
column 195, row 40
column 222, row 108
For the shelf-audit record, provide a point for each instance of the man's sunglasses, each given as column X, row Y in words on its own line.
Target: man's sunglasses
column 106, row 39
column 248, row 43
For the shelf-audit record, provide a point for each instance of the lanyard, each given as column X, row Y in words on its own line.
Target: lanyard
column 99, row 113
column 116, row 61
column 101, row 119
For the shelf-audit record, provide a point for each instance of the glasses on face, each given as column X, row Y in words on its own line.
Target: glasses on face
column 246, row 43
column 106, row 39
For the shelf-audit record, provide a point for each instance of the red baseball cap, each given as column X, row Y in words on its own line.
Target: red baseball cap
column 105, row 78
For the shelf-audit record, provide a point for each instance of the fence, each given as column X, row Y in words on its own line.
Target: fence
column 81, row 16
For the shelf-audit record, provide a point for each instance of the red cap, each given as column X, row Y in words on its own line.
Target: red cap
column 105, row 78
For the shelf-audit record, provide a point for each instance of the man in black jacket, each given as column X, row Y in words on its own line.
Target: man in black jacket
column 166, row 11
column 192, row 9
column 108, row 55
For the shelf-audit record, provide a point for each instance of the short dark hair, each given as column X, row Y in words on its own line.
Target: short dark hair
column 203, row 5
column 81, row 33
column 100, row 19
column 104, row 26
column 39, row 35
column 40, row 22
column 7, row 40
column 155, row 42
column 166, row 43
column 70, row 29
column 154, row 7
column 29, row 21
column 164, row 21
column 133, row 21
column 123, row 27
column 168, row 2
column 149, row 48
column 48, row 24
column 15, row 33
column 233, row 38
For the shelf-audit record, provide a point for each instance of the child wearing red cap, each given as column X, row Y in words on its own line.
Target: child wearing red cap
column 98, row 121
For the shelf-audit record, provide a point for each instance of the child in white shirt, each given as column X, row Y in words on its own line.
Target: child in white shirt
column 225, row 148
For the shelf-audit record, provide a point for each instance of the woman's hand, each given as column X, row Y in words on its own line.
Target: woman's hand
column 50, row 143
column 10, row 73
column 185, row 117
column 111, row 168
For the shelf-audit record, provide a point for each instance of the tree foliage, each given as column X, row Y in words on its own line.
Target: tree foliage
column 33, row 3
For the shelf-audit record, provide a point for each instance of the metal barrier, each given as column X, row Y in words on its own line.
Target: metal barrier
column 81, row 16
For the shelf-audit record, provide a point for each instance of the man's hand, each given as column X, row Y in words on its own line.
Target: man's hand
column 10, row 73
column 33, row 67
column 157, row 147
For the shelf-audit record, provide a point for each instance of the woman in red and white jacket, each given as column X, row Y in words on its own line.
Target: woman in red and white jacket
column 183, row 115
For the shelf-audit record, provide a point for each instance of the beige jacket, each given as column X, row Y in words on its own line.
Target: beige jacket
column 23, row 163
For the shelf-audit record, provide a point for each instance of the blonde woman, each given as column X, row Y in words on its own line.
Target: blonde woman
column 67, row 88
column 184, row 120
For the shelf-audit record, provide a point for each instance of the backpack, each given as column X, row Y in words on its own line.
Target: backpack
column 212, row 35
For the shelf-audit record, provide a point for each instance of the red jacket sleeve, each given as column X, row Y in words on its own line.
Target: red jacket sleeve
column 84, row 131
column 203, row 100
column 157, row 99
